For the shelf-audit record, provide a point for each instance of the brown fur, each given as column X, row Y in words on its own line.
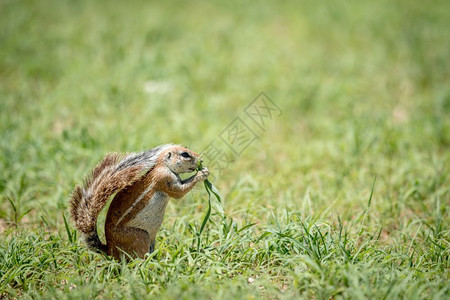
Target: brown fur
column 140, row 200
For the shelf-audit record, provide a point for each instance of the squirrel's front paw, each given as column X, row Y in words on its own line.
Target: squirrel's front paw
column 202, row 174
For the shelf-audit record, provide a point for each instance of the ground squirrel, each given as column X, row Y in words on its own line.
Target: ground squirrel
column 143, row 183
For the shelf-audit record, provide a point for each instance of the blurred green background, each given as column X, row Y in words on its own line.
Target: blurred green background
column 364, row 87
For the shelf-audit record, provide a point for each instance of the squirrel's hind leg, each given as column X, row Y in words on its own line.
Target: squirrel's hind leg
column 152, row 246
column 135, row 242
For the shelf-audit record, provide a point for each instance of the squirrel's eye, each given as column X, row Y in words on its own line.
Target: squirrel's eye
column 185, row 154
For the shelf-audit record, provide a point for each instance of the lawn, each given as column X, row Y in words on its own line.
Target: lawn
column 337, row 186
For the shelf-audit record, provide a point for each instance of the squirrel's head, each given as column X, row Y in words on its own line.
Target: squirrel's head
column 180, row 159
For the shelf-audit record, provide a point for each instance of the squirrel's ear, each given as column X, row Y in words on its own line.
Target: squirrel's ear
column 168, row 155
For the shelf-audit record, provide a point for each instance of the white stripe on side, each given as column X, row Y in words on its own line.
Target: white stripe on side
column 138, row 199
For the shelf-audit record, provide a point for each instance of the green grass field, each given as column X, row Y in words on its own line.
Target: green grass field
column 345, row 194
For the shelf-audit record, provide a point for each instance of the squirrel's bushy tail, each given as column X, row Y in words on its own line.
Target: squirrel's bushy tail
column 107, row 178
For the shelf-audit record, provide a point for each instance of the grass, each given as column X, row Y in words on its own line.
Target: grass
column 343, row 195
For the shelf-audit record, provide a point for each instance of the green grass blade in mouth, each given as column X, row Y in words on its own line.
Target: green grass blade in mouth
column 208, row 213
column 210, row 189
